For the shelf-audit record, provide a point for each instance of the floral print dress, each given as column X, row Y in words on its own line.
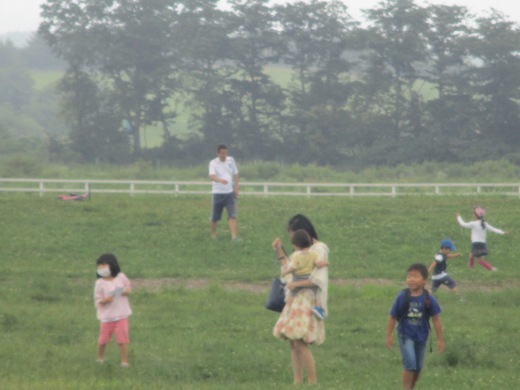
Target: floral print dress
column 296, row 322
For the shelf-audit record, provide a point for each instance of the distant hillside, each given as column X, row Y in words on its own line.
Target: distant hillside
column 19, row 38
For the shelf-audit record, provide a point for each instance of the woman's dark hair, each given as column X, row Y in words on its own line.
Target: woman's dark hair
column 111, row 260
column 301, row 239
column 300, row 221
column 421, row 268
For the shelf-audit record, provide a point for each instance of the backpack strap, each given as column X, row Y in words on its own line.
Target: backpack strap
column 403, row 312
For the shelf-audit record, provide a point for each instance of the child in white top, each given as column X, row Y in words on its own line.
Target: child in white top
column 113, row 308
column 479, row 229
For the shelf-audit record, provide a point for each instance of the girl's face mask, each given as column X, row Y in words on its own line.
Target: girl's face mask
column 104, row 272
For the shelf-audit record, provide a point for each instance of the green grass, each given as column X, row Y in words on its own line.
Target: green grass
column 216, row 338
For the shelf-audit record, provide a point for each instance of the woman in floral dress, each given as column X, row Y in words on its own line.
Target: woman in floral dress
column 296, row 322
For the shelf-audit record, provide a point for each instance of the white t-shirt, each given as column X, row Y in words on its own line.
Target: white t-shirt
column 223, row 170
column 477, row 233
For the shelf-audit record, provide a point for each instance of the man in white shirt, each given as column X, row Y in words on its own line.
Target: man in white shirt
column 223, row 172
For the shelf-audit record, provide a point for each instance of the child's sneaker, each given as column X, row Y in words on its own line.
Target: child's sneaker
column 318, row 312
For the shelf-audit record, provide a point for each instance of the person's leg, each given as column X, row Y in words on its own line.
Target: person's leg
column 216, row 213
column 408, row 379
column 123, row 339
column 484, row 263
column 297, row 363
column 420, row 352
column 233, row 227
column 308, row 364
column 305, row 362
column 232, row 215
column 471, row 260
column 214, row 229
column 123, row 352
column 415, row 378
column 409, row 358
column 106, row 329
column 101, row 352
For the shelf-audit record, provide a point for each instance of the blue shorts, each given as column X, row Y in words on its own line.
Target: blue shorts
column 221, row 201
column 412, row 353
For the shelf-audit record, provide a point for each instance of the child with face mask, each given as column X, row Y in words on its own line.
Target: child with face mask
column 113, row 308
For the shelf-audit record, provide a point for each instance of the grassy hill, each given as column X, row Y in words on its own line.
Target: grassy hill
column 199, row 321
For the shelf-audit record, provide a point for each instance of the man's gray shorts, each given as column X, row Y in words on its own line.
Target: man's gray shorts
column 221, row 201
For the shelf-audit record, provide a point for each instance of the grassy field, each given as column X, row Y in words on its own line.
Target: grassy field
column 199, row 321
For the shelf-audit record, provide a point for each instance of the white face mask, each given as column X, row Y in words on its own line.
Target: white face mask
column 103, row 272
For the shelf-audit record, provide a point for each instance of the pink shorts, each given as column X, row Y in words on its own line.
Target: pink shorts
column 120, row 328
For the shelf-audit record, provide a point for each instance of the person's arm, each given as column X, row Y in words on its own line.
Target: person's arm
column 215, row 178
column 431, row 267
column 100, row 298
column 389, row 330
column 235, row 186
column 300, row 283
column 322, row 263
column 438, row 329
column 452, row 255
column 127, row 286
column 462, row 223
column 494, row 229
column 288, row 270
column 278, row 249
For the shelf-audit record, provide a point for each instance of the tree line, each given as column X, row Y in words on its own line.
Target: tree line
column 406, row 84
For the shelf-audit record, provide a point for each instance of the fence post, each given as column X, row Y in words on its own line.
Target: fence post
column 42, row 188
column 132, row 188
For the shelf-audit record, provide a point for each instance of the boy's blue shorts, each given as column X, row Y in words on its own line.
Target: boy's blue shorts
column 412, row 353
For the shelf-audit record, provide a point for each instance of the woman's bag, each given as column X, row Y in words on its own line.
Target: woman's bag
column 276, row 299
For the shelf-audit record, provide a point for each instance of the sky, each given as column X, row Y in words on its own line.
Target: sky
column 23, row 15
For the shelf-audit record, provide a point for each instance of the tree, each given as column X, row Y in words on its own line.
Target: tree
column 496, row 77
column 396, row 43
column 317, row 36
column 206, row 48
column 125, row 46
column 255, row 101
column 453, row 111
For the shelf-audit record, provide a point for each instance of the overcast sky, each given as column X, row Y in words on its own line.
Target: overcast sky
column 23, row 15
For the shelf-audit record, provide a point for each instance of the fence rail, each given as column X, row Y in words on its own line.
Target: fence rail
column 134, row 187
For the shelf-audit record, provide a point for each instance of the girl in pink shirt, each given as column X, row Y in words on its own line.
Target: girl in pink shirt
column 113, row 308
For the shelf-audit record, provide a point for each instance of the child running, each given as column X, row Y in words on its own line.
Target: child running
column 413, row 308
column 113, row 308
column 301, row 263
column 440, row 265
column 479, row 229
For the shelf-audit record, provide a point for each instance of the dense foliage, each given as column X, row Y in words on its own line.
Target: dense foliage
column 409, row 84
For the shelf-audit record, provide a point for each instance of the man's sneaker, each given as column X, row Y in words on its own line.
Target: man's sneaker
column 318, row 312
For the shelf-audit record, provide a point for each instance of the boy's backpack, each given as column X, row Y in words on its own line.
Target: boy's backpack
column 403, row 312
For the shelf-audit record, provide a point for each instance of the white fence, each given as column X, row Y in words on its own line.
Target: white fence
column 133, row 187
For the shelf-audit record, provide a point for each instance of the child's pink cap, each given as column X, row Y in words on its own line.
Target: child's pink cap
column 480, row 212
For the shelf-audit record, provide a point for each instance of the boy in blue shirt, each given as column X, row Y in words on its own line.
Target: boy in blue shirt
column 413, row 308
